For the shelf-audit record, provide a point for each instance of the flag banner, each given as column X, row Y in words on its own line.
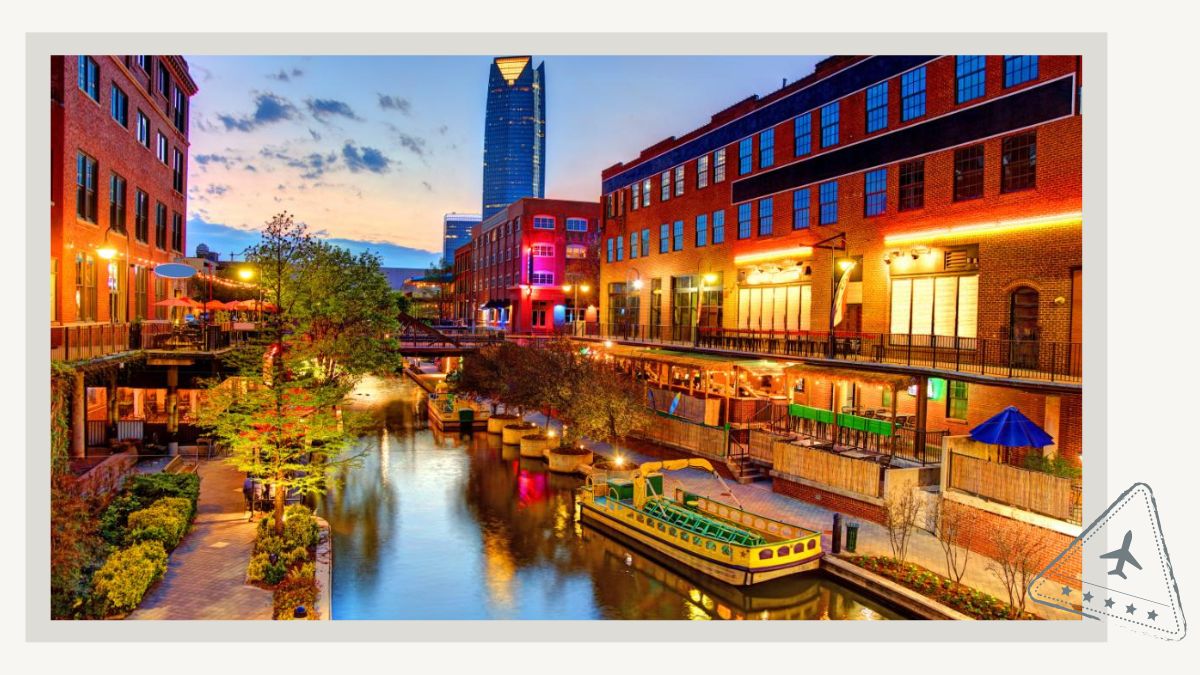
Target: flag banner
column 839, row 299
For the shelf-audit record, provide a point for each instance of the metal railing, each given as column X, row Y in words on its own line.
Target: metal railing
column 74, row 342
column 1031, row 359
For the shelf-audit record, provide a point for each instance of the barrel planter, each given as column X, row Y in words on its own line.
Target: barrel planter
column 612, row 470
column 496, row 423
column 568, row 459
column 512, row 432
column 535, row 445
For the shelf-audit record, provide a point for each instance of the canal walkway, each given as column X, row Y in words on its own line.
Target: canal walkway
column 206, row 574
column 924, row 548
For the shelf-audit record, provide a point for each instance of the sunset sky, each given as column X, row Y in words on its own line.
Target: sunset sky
column 371, row 151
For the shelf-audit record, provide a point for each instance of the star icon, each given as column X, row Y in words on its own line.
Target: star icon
column 1087, row 597
column 1152, row 615
column 1066, row 590
column 1130, row 609
column 1108, row 602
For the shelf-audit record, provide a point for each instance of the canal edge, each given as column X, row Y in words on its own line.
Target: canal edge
column 324, row 572
column 890, row 591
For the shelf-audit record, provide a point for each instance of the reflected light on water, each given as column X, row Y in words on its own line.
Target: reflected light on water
column 499, row 570
column 384, row 453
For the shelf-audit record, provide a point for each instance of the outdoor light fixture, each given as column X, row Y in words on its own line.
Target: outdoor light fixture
column 245, row 273
column 637, row 284
column 107, row 252
column 846, row 265
column 710, row 278
column 794, row 252
column 585, row 288
column 994, row 227
column 566, row 288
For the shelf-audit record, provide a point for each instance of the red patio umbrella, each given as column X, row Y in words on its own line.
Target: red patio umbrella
column 176, row 302
column 216, row 304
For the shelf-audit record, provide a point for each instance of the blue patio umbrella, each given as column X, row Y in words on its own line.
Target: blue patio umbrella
column 1011, row 429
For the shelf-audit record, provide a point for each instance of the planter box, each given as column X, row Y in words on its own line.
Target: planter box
column 535, row 445
column 560, row 462
column 511, row 433
column 496, row 423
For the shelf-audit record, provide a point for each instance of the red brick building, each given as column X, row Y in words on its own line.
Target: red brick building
column 118, row 186
column 465, row 306
column 915, row 214
column 530, row 262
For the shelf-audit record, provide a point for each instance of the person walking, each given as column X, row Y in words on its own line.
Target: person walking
column 248, row 493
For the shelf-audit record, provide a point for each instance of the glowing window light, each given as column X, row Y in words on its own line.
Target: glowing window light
column 795, row 251
column 995, row 227
column 511, row 67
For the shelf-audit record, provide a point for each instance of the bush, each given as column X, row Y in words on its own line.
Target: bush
column 298, row 554
column 151, row 487
column 304, row 572
column 270, row 544
column 295, row 591
column 261, row 569
column 300, row 527
column 122, row 582
column 115, row 519
column 166, row 521
column 1056, row 467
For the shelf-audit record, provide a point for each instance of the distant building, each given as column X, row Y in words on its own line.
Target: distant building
column 456, row 231
column 202, row 251
column 514, row 141
column 399, row 278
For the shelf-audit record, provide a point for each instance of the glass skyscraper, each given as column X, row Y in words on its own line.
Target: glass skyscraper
column 456, row 231
column 514, row 140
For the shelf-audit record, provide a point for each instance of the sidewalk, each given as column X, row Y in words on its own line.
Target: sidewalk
column 923, row 549
column 206, row 574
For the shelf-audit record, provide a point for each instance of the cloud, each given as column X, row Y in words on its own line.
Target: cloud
column 315, row 136
column 365, row 159
column 414, row 144
column 397, row 103
column 216, row 189
column 312, row 165
column 324, row 108
column 268, row 109
column 443, row 129
column 212, row 158
column 285, row 75
column 428, row 186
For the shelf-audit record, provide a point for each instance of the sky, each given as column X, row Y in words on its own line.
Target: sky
column 372, row 151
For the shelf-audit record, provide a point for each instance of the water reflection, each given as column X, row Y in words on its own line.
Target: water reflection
column 431, row 526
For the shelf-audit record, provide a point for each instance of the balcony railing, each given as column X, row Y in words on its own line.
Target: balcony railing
column 74, row 342
column 1021, row 359
column 82, row 341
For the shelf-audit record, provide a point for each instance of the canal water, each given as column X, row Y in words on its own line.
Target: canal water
column 441, row 526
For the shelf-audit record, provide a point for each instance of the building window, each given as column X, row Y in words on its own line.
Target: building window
column 830, row 115
column 664, row 238
column 701, row 230
column 702, row 172
column 803, row 133
column 968, row 173
column 86, row 169
column 766, row 149
column 542, row 250
column 576, row 225
column 162, row 149
column 1018, row 69
column 620, row 248
column 664, row 184
column 141, row 216
column 636, row 191
column 542, row 278
column 718, row 227
column 745, row 213
column 85, row 287
column 89, row 77
column 610, row 205
column 537, row 315
column 620, row 202
column 176, row 232
column 646, row 242
column 944, row 306
column 677, row 238
column 179, row 109
column 116, row 203
column 160, row 226
column 1018, row 162
column 970, row 74
column 119, row 106
column 177, row 172
column 576, row 251
column 633, row 244
column 719, row 166
column 912, row 94
column 877, row 107
column 766, row 216
column 875, row 192
column 956, row 400
column 143, row 129
column 646, row 192
column 164, row 78
column 800, row 209
column 745, row 156
column 912, row 185
column 828, row 203
column 608, row 253
column 679, row 180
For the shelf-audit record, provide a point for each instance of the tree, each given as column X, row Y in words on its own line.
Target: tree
column 1018, row 551
column 564, row 373
column 951, row 523
column 605, row 406
column 899, row 518
column 280, row 418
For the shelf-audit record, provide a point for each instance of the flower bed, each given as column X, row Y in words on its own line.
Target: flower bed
column 286, row 564
column 976, row 604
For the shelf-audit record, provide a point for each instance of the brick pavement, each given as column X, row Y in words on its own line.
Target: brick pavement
column 206, row 574
column 924, row 548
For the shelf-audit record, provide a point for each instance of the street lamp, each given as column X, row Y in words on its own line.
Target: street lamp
column 708, row 278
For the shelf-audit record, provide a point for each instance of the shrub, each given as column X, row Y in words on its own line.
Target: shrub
column 122, row 582
column 261, row 569
column 115, row 518
column 295, row 592
column 295, row 555
column 151, row 487
column 300, row 527
column 304, row 572
column 1057, row 466
column 270, row 544
column 165, row 521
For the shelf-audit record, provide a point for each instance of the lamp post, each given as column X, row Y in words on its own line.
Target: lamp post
column 706, row 278
column 576, row 287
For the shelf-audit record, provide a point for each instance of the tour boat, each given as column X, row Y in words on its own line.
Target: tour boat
column 722, row 541
column 454, row 413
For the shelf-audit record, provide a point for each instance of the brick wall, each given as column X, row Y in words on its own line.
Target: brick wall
column 829, row 500
column 981, row 538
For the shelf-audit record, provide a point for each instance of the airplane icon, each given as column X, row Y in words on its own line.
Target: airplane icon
column 1122, row 556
